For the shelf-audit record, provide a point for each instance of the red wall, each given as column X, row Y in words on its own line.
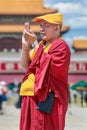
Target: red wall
column 73, row 78
column 9, row 78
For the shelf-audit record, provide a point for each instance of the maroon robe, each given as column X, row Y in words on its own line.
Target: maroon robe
column 51, row 72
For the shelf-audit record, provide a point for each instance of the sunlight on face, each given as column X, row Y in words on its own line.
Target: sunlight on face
column 47, row 30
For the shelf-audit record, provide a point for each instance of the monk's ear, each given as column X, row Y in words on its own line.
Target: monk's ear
column 58, row 27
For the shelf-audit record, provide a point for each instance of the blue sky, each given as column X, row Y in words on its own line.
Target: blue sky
column 75, row 16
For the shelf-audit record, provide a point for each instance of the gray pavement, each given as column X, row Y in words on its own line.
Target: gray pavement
column 10, row 120
column 76, row 118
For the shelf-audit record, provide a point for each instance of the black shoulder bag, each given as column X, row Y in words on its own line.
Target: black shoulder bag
column 46, row 106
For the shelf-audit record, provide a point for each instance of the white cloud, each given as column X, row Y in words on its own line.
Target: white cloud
column 77, row 22
column 71, row 8
column 80, row 37
column 66, row 7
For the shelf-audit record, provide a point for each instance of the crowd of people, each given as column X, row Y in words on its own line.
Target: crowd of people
column 9, row 93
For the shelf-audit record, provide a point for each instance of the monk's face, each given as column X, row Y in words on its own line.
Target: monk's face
column 48, row 31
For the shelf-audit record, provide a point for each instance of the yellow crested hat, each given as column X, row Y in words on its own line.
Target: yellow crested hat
column 55, row 18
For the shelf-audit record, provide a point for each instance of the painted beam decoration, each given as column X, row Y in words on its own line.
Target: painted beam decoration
column 16, row 67
column 11, row 67
column 78, row 67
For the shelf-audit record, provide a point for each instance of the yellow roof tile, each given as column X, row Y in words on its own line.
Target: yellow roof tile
column 80, row 44
column 23, row 7
column 18, row 28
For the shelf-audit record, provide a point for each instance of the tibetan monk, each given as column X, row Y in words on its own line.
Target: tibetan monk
column 46, row 68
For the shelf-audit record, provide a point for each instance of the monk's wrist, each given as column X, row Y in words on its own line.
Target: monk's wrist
column 25, row 50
